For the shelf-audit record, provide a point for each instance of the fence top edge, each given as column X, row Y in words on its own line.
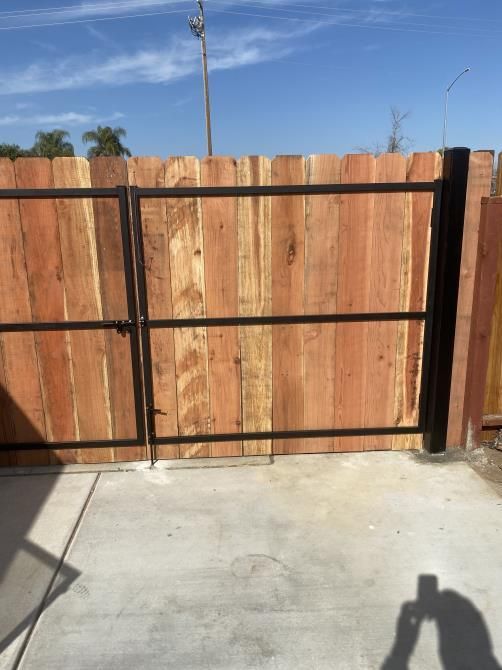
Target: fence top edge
column 237, row 158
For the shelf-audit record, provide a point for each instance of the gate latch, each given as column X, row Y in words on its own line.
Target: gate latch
column 123, row 327
column 154, row 410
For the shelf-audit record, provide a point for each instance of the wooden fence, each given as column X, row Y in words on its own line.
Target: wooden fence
column 482, row 407
column 62, row 260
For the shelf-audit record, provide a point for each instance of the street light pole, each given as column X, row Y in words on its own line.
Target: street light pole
column 445, row 124
column 198, row 28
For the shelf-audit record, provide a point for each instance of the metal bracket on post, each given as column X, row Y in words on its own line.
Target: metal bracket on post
column 123, row 327
column 151, row 412
column 449, row 254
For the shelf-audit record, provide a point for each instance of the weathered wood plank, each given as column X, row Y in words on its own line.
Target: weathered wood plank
column 387, row 241
column 492, row 421
column 255, row 298
column 478, row 186
column 413, row 288
column 288, row 242
column 351, row 342
column 83, row 303
column 46, row 286
column 188, row 295
column 20, row 375
column 150, row 172
column 322, row 218
column 498, row 182
column 219, row 219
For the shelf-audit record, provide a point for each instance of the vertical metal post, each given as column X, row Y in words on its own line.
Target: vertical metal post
column 143, row 320
column 449, row 253
column 131, row 311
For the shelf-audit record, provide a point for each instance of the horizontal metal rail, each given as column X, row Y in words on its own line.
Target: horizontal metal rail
column 64, row 325
column 99, row 444
column 288, row 189
column 48, row 193
column 362, row 317
column 287, row 434
column 221, row 191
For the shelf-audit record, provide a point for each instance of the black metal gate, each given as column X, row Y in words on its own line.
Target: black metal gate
column 449, row 196
column 126, row 327
column 439, row 316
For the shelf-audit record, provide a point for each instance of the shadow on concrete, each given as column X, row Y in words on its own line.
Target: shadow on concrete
column 31, row 578
column 464, row 638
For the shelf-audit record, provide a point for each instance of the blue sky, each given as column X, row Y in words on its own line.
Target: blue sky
column 302, row 77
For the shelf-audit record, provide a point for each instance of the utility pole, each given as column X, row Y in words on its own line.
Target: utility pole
column 198, row 28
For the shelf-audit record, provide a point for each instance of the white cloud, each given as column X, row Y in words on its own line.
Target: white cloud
column 98, row 35
column 154, row 65
column 63, row 119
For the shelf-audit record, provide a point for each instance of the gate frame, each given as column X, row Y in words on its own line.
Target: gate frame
column 445, row 249
column 123, row 327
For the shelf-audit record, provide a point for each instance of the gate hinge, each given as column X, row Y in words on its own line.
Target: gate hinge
column 123, row 327
column 142, row 322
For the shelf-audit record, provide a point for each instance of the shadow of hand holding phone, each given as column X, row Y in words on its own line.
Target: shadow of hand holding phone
column 464, row 639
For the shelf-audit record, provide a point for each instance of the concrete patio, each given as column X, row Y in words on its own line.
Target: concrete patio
column 287, row 563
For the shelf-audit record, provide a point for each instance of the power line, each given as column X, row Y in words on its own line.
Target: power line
column 103, row 18
column 383, row 11
column 401, row 27
column 64, row 9
column 350, row 25
column 466, row 31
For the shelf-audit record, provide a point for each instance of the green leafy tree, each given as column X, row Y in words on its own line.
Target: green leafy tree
column 52, row 144
column 13, row 151
column 107, row 142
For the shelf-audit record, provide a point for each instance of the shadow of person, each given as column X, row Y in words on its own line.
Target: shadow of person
column 464, row 639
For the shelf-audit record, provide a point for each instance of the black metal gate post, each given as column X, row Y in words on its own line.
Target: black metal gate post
column 141, row 283
column 447, row 235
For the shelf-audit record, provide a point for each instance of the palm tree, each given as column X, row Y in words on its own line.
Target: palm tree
column 106, row 142
column 53, row 143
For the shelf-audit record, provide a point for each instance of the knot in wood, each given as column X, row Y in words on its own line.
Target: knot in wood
column 291, row 253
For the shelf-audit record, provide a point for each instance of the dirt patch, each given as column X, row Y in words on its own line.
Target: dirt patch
column 487, row 462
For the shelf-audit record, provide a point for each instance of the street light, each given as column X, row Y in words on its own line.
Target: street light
column 445, row 126
column 198, row 28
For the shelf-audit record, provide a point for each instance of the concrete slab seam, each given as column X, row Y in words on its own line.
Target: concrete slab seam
column 73, row 535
